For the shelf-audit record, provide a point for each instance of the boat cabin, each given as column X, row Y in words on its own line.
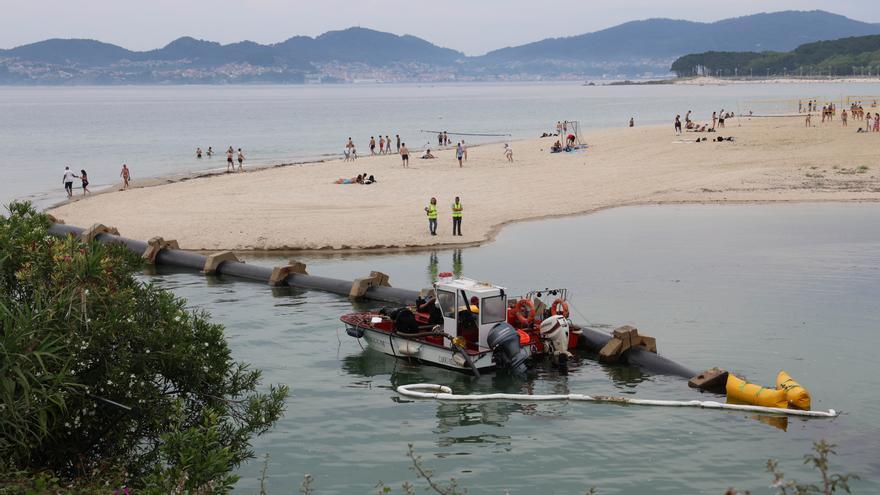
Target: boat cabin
column 470, row 308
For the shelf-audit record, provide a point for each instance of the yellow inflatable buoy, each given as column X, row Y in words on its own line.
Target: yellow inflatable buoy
column 749, row 393
column 797, row 396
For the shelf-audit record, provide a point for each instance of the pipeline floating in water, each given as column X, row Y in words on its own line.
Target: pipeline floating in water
column 373, row 287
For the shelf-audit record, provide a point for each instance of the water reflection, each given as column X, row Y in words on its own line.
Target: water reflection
column 433, row 269
column 457, row 268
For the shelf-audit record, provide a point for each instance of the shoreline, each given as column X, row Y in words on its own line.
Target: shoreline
column 301, row 211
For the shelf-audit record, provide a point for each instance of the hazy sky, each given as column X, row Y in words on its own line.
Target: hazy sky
column 472, row 26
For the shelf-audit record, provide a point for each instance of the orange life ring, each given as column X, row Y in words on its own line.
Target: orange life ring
column 556, row 304
column 522, row 319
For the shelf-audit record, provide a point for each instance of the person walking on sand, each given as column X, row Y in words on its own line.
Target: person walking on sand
column 126, row 176
column 404, row 155
column 84, row 177
column 397, row 136
column 372, row 145
column 714, row 119
column 843, row 117
column 459, row 154
column 464, row 150
column 67, row 180
column 240, row 160
column 808, row 120
column 456, row 216
column 381, row 144
column 678, row 124
column 508, row 153
column 431, row 211
column 230, row 167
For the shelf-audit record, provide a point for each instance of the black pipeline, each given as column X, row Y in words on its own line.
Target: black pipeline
column 187, row 259
column 196, row 261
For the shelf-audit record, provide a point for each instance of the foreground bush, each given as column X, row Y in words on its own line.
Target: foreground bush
column 105, row 378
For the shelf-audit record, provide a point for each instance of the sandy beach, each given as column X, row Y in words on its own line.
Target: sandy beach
column 298, row 207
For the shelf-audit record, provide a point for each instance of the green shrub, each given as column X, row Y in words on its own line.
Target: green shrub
column 103, row 376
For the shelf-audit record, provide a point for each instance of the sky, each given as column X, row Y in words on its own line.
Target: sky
column 471, row 26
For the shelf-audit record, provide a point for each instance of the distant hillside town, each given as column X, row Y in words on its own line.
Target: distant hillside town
column 639, row 49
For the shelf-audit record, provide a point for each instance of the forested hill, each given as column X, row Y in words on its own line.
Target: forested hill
column 847, row 56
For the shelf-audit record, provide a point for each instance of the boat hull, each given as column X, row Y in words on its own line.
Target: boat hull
column 423, row 352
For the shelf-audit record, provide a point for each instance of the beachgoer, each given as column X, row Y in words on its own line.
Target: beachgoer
column 67, row 180
column 632, row 122
column 877, row 122
column 843, row 117
column 428, row 155
column 198, row 152
column 431, row 211
column 230, row 167
column 381, row 144
column 210, row 152
column 372, row 145
column 445, row 138
column 404, row 155
column 387, row 144
column 556, row 148
column 714, row 119
column 463, row 150
column 84, row 177
column 678, row 124
column 508, row 153
column 808, row 119
column 558, row 128
column 240, row 159
column 721, row 117
column 456, row 216
column 569, row 140
column 126, row 176
column 687, row 117
column 397, row 136
column 459, row 154
column 347, row 154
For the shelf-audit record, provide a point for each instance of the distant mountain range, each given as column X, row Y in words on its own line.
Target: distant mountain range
column 846, row 56
column 633, row 49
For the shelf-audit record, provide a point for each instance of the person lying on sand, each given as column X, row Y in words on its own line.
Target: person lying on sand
column 428, row 155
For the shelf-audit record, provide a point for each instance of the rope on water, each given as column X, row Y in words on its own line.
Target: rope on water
column 465, row 133
column 444, row 393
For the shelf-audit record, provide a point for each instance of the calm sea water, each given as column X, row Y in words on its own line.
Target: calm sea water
column 156, row 129
column 754, row 289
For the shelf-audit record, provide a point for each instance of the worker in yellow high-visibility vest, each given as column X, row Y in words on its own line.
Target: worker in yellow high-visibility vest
column 456, row 216
column 431, row 210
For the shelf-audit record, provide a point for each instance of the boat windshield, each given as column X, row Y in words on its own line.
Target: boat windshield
column 493, row 310
column 446, row 300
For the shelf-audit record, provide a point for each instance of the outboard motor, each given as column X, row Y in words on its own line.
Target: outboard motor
column 503, row 339
column 555, row 331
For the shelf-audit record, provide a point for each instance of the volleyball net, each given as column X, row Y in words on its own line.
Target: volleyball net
column 867, row 102
column 780, row 108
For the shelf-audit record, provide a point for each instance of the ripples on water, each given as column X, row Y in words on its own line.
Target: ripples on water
column 752, row 288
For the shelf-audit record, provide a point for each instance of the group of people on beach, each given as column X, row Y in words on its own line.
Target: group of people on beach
column 457, row 210
column 68, row 178
column 364, row 178
column 384, row 144
column 718, row 122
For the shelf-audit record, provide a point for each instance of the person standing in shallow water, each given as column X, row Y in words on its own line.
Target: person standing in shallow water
column 67, row 180
column 84, row 177
column 431, row 211
column 230, row 167
column 126, row 176
column 678, row 124
column 240, row 160
column 456, row 216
